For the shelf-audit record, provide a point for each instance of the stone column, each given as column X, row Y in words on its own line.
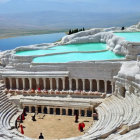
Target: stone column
column 76, row 83
column 17, row 83
column 72, row 111
column 83, row 80
column 44, row 83
column 105, row 83
column 5, row 82
column 85, row 113
column 37, row 83
column 70, row 84
column 90, row 84
column 10, row 81
column 42, row 109
column 50, row 83
column 30, row 83
column 36, row 109
column 23, row 81
column 54, row 111
column 60, row 111
column 79, row 112
column 66, row 111
column 30, row 109
column 98, row 88
column 63, row 80
column 112, row 84
column 48, row 110
column 57, row 83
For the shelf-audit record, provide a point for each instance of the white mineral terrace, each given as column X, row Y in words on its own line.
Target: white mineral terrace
column 108, row 89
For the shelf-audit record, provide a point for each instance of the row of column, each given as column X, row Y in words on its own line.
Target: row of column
column 68, row 111
column 58, row 84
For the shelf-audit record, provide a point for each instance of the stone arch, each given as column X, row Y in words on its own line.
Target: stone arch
column 26, row 108
column 39, row 109
column 60, row 84
column 57, row 111
column 67, row 83
column 70, row 112
column 94, row 85
column 73, row 84
column 87, row 85
column 82, row 112
column 76, row 111
column 80, row 84
column 45, row 111
column 101, row 86
column 63, row 111
column 51, row 110
column 41, row 86
column 53, row 83
column 20, row 83
column 34, row 83
column 13, row 83
column 26, row 83
column 7, row 83
column 32, row 109
column 89, row 113
column 48, row 84
column 109, row 87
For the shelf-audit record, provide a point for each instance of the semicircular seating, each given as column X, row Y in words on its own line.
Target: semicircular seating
column 7, row 112
column 117, row 116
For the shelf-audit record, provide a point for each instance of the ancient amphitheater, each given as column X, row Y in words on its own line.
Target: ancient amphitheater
column 109, row 87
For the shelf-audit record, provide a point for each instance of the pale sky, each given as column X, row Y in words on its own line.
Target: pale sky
column 99, row 6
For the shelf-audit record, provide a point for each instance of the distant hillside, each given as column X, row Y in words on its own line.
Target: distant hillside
column 54, row 21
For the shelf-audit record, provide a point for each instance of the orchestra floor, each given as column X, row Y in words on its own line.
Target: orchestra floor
column 54, row 126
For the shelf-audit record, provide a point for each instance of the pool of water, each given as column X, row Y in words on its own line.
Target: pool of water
column 131, row 36
column 11, row 43
column 64, row 58
column 65, row 48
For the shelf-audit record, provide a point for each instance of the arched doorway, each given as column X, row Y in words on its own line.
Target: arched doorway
column 20, row 83
column 87, row 85
column 101, row 86
column 70, row 112
column 53, row 83
column 60, row 84
column 41, row 86
column 57, row 111
column 48, row 84
column 33, row 109
column 7, row 83
column 13, row 83
column 109, row 88
column 73, row 84
column 94, row 85
column 26, row 83
column 45, row 110
column 80, row 84
column 34, row 84
column 67, row 83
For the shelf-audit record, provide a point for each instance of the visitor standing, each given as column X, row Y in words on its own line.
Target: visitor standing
column 41, row 136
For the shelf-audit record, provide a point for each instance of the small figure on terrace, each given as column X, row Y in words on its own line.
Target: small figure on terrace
column 41, row 136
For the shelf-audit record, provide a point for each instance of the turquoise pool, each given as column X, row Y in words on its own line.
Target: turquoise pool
column 65, row 48
column 64, row 58
column 130, row 36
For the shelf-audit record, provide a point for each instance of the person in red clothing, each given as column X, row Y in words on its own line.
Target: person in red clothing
column 81, row 126
column 22, row 132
